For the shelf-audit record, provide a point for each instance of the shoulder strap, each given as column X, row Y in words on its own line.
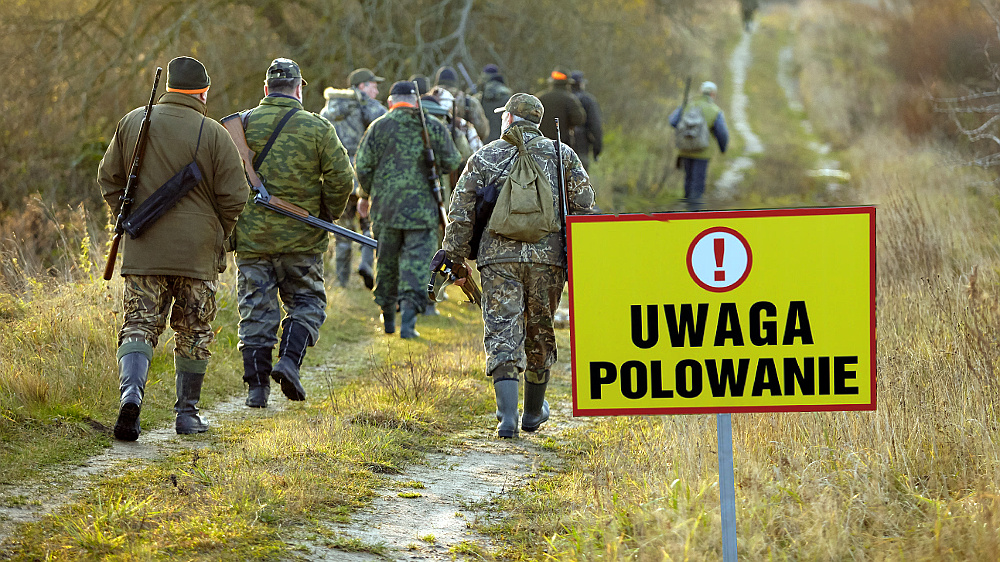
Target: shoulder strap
column 274, row 135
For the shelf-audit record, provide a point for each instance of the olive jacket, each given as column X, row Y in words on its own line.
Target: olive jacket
column 187, row 240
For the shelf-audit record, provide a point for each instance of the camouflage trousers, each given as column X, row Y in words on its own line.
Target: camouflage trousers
column 266, row 284
column 402, row 266
column 190, row 303
column 519, row 301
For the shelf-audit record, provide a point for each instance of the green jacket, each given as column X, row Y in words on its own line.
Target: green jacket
column 306, row 166
column 392, row 171
column 187, row 240
column 560, row 102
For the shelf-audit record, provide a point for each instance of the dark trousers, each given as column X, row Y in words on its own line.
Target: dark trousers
column 695, row 173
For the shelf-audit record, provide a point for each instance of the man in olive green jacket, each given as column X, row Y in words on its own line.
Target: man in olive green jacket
column 279, row 259
column 560, row 102
column 178, row 259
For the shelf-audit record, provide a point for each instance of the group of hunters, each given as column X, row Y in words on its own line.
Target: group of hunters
column 367, row 167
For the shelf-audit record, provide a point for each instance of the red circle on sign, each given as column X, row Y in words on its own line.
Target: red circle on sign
column 690, row 263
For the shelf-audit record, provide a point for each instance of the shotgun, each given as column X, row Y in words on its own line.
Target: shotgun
column 128, row 197
column 234, row 125
column 432, row 170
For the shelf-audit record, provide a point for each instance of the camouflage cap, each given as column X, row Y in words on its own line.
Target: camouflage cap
column 284, row 69
column 525, row 106
column 362, row 75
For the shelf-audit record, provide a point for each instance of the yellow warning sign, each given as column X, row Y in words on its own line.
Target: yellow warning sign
column 729, row 311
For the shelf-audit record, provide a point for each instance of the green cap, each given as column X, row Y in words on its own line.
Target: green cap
column 525, row 106
column 187, row 76
column 362, row 75
column 284, row 69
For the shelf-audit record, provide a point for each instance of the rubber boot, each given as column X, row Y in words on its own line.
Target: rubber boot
column 132, row 371
column 343, row 261
column 507, row 395
column 389, row 320
column 536, row 407
column 294, row 341
column 408, row 329
column 257, row 375
column 188, row 394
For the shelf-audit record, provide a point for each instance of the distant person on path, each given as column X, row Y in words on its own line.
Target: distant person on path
column 351, row 111
column 748, row 8
column 700, row 120
column 172, row 269
column 589, row 137
column 394, row 177
column 493, row 93
column 522, row 281
column 560, row 102
column 279, row 259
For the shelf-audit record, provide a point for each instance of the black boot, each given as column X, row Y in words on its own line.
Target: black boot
column 536, row 407
column 408, row 329
column 507, row 395
column 389, row 319
column 188, row 394
column 257, row 375
column 294, row 341
column 132, row 371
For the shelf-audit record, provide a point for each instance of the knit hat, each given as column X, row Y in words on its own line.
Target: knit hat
column 525, row 106
column 362, row 75
column 423, row 84
column 284, row 69
column 403, row 88
column 446, row 76
column 577, row 76
column 491, row 69
column 186, row 75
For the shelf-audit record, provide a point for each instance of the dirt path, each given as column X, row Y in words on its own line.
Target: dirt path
column 739, row 64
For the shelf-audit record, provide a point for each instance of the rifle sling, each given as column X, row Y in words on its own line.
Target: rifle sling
column 274, row 135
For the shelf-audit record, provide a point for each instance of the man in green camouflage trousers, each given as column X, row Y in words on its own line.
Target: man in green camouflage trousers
column 280, row 258
column 522, row 281
column 393, row 175
column 172, row 268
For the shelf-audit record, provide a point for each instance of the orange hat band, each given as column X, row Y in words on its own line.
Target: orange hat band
column 179, row 91
column 558, row 75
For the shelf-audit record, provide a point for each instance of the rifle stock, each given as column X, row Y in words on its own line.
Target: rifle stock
column 133, row 179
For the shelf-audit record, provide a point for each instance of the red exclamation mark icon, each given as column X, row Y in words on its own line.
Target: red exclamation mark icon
column 720, row 250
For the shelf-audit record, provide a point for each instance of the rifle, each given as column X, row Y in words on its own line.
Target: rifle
column 472, row 85
column 560, row 173
column 234, row 125
column 445, row 272
column 127, row 197
column 432, row 170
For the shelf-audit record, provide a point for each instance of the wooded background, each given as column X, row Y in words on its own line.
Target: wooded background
column 71, row 69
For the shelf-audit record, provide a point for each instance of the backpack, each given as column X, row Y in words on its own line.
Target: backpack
column 524, row 210
column 692, row 130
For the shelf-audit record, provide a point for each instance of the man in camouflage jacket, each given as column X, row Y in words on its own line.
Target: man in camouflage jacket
column 279, row 257
column 172, row 268
column 351, row 111
column 393, row 175
column 522, row 282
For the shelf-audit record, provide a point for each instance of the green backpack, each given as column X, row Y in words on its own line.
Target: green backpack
column 524, row 209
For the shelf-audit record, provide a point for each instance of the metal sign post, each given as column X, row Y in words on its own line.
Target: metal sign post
column 727, row 486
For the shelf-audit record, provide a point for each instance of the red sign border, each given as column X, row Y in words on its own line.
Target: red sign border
column 724, row 215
